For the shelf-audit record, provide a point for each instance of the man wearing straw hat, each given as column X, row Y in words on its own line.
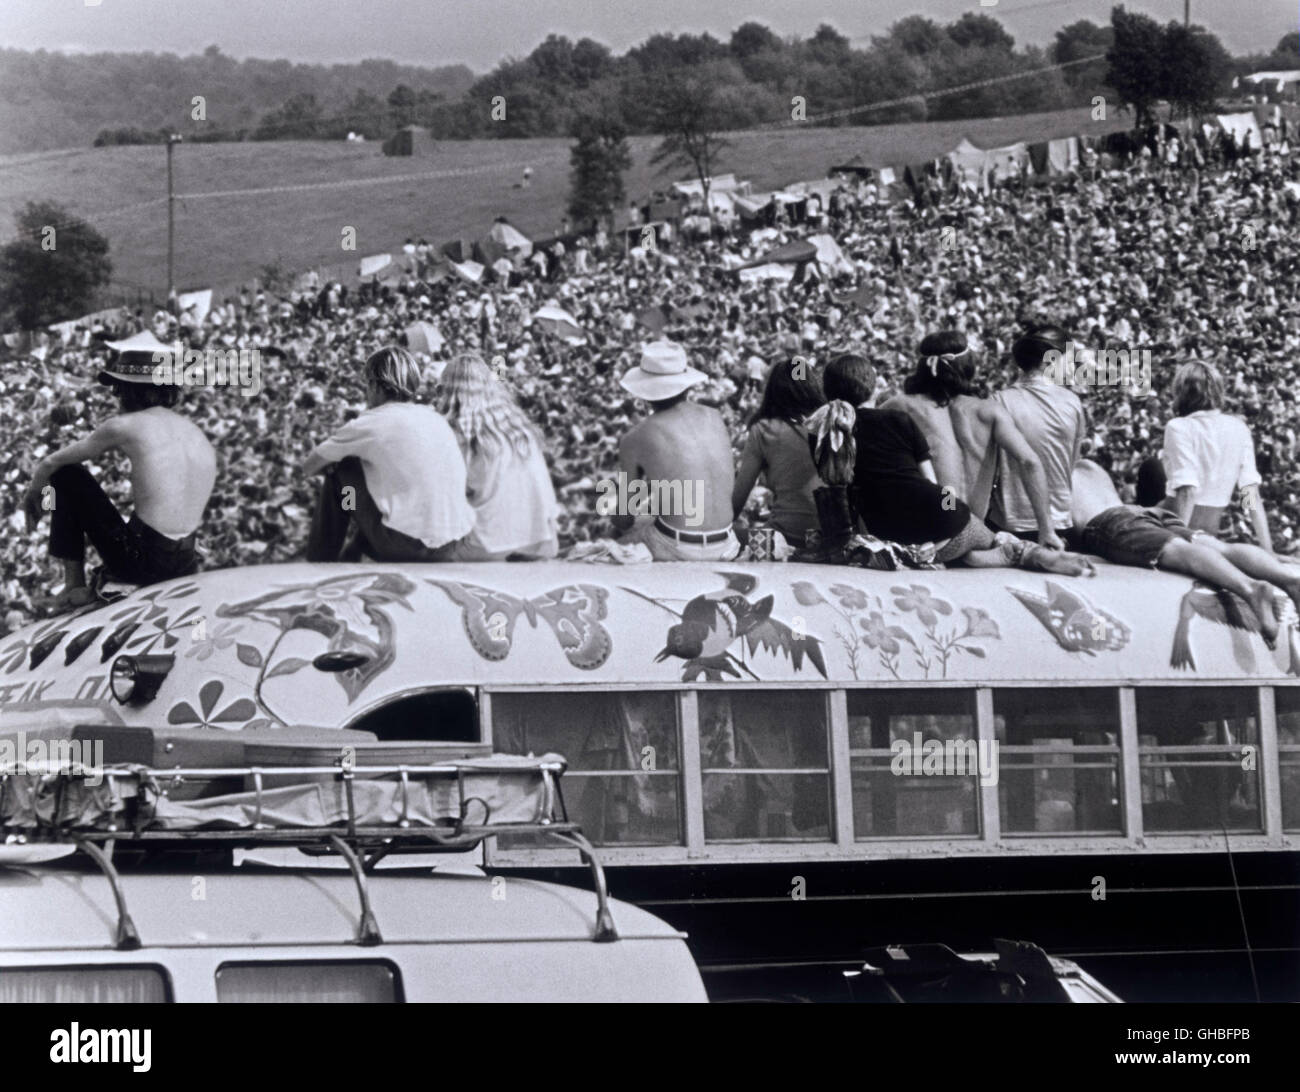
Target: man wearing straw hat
column 678, row 463
column 173, row 468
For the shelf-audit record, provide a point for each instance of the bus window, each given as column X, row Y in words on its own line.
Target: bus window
column 1197, row 773
column 1287, row 702
column 449, row 714
column 348, row 983
column 99, row 984
column 622, row 780
column 766, row 767
column 1058, row 760
column 893, row 794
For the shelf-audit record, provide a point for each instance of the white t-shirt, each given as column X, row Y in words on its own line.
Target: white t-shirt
column 1212, row 452
column 413, row 467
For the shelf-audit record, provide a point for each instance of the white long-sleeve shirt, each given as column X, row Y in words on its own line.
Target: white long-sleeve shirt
column 1211, row 451
column 413, row 467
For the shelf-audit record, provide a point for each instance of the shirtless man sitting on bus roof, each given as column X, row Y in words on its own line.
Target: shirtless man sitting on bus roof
column 681, row 457
column 1126, row 534
column 966, row 433
column 173, row 468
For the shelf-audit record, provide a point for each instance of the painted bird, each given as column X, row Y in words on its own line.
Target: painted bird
column 1076, row 624
column 711, row 623
column 1225, row 609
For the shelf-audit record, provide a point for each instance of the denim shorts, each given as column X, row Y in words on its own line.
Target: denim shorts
column 1129, row 535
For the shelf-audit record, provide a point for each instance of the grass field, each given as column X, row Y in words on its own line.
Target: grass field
column 222, row 240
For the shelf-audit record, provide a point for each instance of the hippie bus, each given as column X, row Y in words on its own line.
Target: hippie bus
column 799, row 766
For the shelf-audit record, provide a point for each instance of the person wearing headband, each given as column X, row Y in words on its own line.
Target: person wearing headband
column 1053, row 421
column 967, row 434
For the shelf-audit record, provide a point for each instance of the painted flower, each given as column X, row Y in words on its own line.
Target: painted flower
column 850, row 598
column 918, row 598
column 162, row 629
column 237, row 712
column 219, row 640
column 884, row 637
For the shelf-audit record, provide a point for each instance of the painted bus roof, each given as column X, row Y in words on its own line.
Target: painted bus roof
column 244, row 640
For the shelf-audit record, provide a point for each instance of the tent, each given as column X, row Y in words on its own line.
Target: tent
column 1279, row 79
column 471, row 270
column 411, row 140
column 793, row 253
column 510, row 239
column 374, row 265
column 423, row 337
column 1244, row 128
column 970, row 164
column 724, row 183
column 829, row 255
column 200, row 301
column 823, row 187
column 458, row 250
column 1063, row 155
column 559, row 323
column 772, row 271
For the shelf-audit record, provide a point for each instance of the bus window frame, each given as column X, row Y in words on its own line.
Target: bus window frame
column 991, row 841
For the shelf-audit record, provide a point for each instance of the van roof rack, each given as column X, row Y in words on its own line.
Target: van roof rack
column 365, row 813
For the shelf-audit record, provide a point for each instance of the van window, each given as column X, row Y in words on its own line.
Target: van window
column 84, row 985
column 1058, row 760
column 449, row 714
column 622, row 780
column 302, row 983
column 1287, row 702
column 765, row 762
column 893, row 794
column 1198, row 750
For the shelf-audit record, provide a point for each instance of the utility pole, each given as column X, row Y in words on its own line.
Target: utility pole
column 1187, row 12
column 172, row 140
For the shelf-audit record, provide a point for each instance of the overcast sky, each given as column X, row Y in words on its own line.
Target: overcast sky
column 481, row 32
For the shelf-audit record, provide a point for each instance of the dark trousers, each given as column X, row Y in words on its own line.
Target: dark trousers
column 131, row 550
column 329, row 539
column 1071, row 536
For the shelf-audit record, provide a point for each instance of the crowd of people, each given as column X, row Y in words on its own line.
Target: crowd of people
column 1191, row 257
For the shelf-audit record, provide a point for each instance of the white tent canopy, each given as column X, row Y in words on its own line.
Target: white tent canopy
column 1243, row 126
column 200, row 302
column 724, row 183
column 829, row 255
column 511, row 239
column 372, row 265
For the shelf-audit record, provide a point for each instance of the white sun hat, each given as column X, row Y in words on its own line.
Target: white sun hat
column 662, row 374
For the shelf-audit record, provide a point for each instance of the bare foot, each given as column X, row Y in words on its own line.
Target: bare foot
column 1061, row 562
column 1292, row 589
column 1261, row 599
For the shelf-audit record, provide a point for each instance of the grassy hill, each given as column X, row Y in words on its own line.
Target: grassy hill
column 222, row 240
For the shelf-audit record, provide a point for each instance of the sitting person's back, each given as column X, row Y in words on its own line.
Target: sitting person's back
column 681, row 456
column 508, row 484
column 776, row 447
column 397, row 477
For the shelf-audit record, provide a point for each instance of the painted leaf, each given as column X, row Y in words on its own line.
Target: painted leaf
column 287, row 666
column 240, row 710
column 806, row 594
column 249, row 655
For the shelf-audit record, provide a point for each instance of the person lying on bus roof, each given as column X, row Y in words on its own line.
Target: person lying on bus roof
column 679, row 458
column 1151, row 538
column 967, row 434
column 173, row 469
column 883, row 457
column 394, row 487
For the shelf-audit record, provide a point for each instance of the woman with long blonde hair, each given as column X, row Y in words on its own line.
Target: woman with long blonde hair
column 508, row 483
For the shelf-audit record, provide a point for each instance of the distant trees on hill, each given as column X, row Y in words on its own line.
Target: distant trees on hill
column 754, row 77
